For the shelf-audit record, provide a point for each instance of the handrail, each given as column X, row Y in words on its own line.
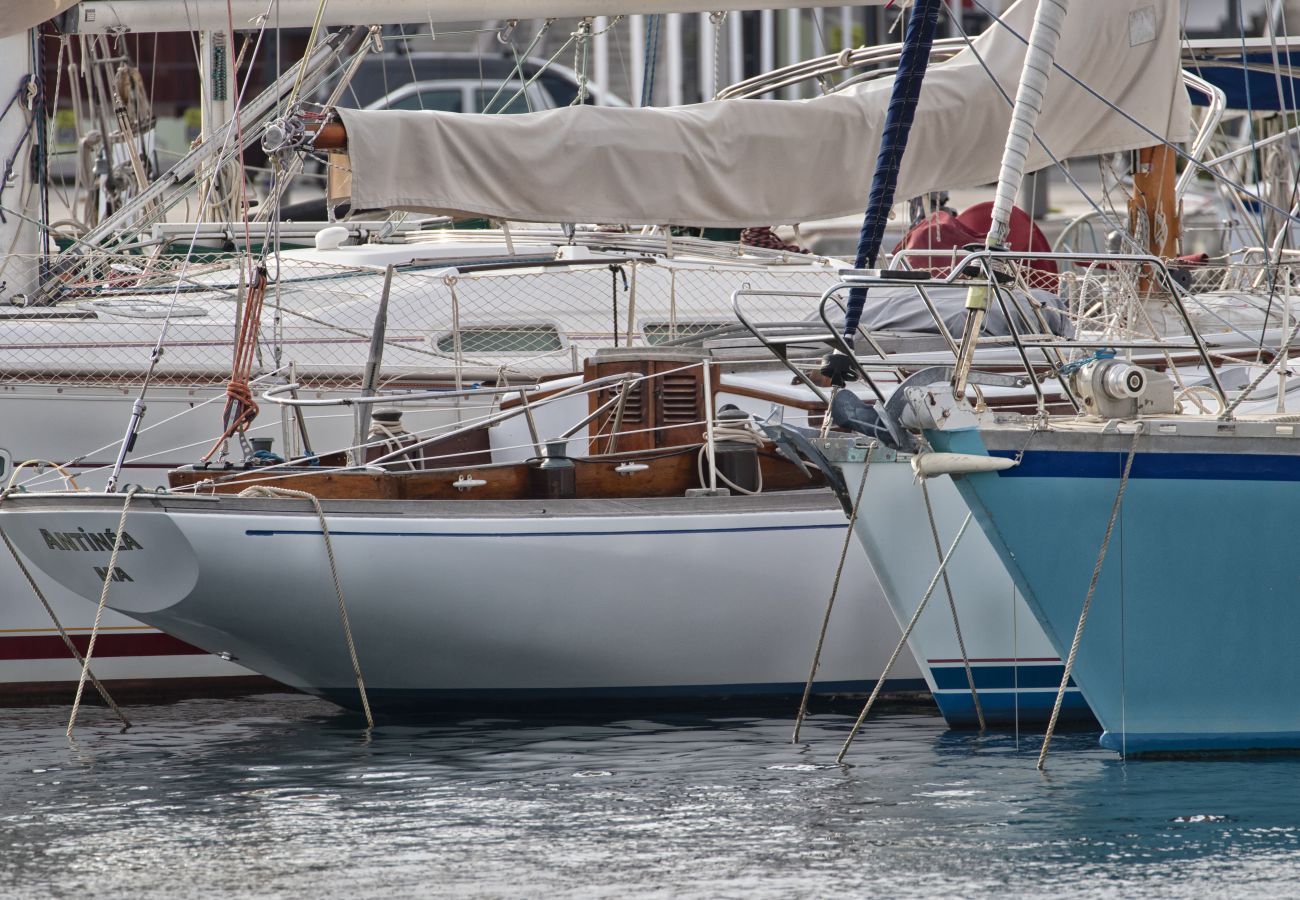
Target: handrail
column 747, row 291
column 273, row 394
column 832, row 62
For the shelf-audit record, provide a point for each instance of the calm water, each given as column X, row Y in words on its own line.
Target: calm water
column 280, row 795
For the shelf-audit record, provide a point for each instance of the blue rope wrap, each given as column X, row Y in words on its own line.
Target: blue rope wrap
column 1075, row 365
column 917, row 41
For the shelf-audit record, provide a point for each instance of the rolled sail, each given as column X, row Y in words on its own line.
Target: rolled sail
column 736, row 163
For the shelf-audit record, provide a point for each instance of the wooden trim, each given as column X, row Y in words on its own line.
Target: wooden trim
column 814, row 406
column 670, row 474
column 331, row 136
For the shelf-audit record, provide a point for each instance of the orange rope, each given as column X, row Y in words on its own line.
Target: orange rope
column 241, row 408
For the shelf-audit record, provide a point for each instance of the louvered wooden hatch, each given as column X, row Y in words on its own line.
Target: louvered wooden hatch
column 666, row 410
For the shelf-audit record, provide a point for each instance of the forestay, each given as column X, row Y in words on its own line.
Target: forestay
column 740, row 163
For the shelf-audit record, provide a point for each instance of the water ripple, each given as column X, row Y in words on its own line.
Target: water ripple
column 282, row 795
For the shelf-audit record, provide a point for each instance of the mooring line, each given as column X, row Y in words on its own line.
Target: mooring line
column 902, row 641
column 1087, row 600
column 262, row 491
column 99, row 611
column 830, row 603
column 952, row 605
column 63, row 633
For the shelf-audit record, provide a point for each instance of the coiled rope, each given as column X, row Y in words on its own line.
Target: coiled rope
column 744, row 433
column 99, row 611
column 1087, row 600
column 830, row 602
column 261, row 491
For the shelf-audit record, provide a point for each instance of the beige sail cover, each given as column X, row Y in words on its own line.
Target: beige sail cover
column 737, row 163
column 17, row 16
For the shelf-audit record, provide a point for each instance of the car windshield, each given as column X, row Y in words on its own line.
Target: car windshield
column 512, row 92
column 444, row 99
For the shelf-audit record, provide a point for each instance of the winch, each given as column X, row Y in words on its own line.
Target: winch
column 1115, row 389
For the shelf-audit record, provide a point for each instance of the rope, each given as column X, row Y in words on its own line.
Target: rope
column 952, row 605
column 902, row 641
column 1087, row 600
column 830, row 602
column 334, row 574
column 736, row 434
column 99, row 611
column 241, row 408
column 69, row 480
column 63, row 633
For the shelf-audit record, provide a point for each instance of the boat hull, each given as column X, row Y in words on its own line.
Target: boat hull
column 1016, row 670
column 481, row 602
column 1184, row 650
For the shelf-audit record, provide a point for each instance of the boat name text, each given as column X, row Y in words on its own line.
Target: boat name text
column 81, row 539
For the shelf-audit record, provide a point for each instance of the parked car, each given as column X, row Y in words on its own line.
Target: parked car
column 386, row 75
column 464, row 95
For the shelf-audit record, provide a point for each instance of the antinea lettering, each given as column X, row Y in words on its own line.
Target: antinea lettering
column 81, row 539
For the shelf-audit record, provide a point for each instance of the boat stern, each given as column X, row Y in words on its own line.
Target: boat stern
column 70, row 538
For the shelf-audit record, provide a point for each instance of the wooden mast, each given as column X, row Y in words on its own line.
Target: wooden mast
column 1153, row 207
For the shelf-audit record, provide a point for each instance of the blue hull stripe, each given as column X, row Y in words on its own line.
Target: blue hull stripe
column 1181, row 466
column 272, row 532
column 1009, row 708
column 1235, row 742
column 1006, row 678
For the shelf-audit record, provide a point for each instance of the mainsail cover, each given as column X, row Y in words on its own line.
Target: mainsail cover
column 16, row 16
column 737, row 163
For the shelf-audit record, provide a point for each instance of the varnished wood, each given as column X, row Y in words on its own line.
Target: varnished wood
column 669, row 475
column 331, row 136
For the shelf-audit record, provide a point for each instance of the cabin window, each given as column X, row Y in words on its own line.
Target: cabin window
column 486, row 339
column 663, row 332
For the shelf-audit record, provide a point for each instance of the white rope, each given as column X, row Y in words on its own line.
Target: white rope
column 1087, row 600
column 63, row 633
column 262, row 491
column 744, row 433
column 830, row 602
column 99, row 611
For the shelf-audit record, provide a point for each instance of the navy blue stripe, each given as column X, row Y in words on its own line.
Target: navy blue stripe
column 1003, row 678
column 1183, row 466
column 1002, row 709
column 536, row 699
column 271, row 532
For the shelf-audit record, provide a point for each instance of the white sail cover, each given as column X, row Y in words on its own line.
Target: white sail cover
column 738, row 163
column 16, row 16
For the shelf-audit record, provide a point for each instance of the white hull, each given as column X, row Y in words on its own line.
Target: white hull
column 482, row 601
column 1017, row 671
column 67, row 385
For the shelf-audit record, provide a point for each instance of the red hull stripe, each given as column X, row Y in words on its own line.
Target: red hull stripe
column 51, row 646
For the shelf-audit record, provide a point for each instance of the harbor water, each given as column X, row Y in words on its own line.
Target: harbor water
column 282, row 795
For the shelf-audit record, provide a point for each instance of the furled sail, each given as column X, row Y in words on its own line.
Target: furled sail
column 743, row 162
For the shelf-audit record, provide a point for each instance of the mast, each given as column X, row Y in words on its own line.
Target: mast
column 1048, row 21
column 1153, row 207
column 20, row 240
